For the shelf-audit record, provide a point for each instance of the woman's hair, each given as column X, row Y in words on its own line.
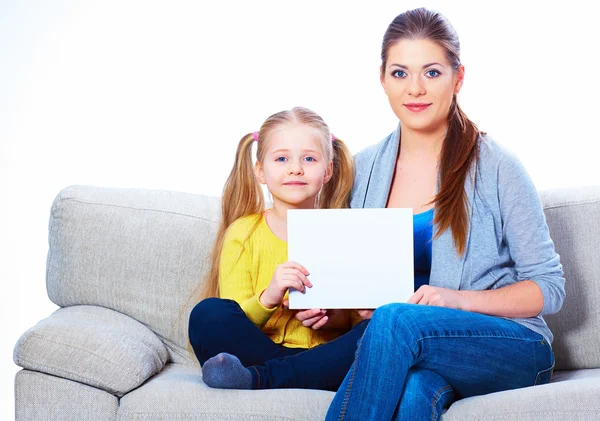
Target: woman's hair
column 243, row 196
column 460, row 148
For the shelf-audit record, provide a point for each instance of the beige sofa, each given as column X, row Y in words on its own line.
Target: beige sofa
column 122, row 264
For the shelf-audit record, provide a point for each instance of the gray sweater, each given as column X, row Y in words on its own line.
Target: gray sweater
column 507, row 239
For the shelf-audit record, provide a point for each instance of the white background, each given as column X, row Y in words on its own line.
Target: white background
column 156, row 95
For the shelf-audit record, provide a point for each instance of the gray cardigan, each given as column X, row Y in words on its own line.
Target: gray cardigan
column 507, row 240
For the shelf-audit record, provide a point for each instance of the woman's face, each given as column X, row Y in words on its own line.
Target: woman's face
column 420, row 83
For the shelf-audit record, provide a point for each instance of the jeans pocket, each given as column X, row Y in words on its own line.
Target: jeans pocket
column 543, row 377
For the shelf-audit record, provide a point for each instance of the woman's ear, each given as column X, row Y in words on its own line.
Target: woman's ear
column 259, row 172
column 460, row 78
column 382, row 79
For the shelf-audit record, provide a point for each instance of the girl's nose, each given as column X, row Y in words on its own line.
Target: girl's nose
column 295, row 168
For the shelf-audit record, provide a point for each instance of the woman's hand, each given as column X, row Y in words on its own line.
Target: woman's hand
column 287, row 275
column 439, row 297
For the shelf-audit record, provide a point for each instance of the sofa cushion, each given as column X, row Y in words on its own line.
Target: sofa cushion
column 572, row 395
column 573, row 217
column 92, row 345
column 39, row 396
column 178, row 393
column 140, row 252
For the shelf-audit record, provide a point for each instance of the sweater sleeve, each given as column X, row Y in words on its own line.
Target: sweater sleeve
column 236, row 278
column 526, row 233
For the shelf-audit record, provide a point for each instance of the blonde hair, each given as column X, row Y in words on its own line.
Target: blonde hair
column 243, row 196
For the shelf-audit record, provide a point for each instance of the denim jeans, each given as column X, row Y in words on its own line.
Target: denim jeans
column 415, row 360
column 218, row 325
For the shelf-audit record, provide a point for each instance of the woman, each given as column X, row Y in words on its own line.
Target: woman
column 483, row 254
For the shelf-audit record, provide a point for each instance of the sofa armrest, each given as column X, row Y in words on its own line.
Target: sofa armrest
column 92, row 345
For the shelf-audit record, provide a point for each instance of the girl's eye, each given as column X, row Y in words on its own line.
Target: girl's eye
column 432, row 73
column 400, row 74
column 280, row 159
column 310, row 159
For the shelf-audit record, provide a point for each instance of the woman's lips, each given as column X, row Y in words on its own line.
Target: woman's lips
column 416, row 108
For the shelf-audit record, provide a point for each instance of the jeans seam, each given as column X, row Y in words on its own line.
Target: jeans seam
column 257, row 377
column 350, row 382
column 477, row 336
column 436, row 397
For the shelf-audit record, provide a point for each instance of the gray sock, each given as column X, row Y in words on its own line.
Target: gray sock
column 225, row 371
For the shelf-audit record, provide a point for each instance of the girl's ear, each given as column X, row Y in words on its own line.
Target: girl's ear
column 259, row 172
column 328, row 173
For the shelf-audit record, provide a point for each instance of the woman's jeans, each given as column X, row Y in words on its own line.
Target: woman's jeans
column 219, row 325
column 414, row 360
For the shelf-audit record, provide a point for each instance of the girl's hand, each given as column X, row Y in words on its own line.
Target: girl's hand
column 287, row 275
column 365, row 314
column 439, row 297
column 317, row 318
column 314, row 318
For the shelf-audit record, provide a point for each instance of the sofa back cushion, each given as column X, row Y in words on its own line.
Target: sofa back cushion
column 144, row 253
column 140, row 252
column 573, row 216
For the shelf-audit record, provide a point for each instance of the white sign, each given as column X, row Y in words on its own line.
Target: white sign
column 357, row 258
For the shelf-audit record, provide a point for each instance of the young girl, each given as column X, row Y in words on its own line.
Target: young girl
column 247, row 338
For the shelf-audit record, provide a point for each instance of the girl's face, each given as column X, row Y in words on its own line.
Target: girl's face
column 294, row 166
column 420, row 83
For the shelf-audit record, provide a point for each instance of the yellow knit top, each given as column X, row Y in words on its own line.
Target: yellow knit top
column 250, row 254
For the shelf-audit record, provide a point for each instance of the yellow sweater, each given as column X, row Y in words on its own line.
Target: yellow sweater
column 248, row 261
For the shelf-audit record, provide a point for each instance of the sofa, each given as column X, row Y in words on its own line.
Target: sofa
column 124, row 265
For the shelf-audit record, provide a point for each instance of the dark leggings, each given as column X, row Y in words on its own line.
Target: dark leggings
column 218, row 325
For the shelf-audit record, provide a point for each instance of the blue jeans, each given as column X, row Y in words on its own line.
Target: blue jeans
column 218, row 325
column 415, row 360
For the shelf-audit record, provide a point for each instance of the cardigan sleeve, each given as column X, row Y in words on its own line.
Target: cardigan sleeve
column 236, row 278
column 526, row 233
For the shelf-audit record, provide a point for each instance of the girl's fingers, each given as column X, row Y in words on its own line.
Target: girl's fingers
column 296, row 265
column 299, row 275
column 307, row 314
column 321, row 323
column 312, row 321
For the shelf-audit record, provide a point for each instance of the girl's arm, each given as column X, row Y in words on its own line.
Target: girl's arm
column 235, row 280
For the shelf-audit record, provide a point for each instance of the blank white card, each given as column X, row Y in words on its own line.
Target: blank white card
column 357, row 258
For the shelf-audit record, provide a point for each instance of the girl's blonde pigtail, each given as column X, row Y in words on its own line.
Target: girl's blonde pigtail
column 336, row 193
column 242, row 196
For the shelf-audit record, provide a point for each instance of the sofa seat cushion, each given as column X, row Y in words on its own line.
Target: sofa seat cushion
column 92, row 345
column 571, row 395
column 178, row 393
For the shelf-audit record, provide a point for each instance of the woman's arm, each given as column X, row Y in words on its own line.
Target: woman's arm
column 521, row 299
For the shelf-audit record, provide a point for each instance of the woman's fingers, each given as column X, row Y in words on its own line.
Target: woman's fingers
column 417, row 297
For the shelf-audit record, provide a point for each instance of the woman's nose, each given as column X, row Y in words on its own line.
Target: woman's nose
column 416, row 87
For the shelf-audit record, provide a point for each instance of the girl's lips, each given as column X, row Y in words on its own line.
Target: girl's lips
column 416, row 107
column 294, row 183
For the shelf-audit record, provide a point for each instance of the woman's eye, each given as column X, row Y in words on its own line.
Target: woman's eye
column 399, row 74
column 432, row 73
